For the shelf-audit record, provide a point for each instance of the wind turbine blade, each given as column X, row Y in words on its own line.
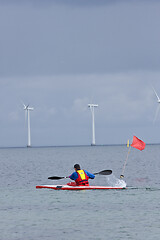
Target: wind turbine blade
column 92, row 99
column 23, row 104
column 156, row 114
column 156, row 94
column 30, row 108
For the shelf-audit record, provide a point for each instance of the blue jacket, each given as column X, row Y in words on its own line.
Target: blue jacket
column 74, row 175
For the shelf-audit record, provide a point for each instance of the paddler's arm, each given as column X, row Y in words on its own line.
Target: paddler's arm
column 90, row 175
column 73, row 176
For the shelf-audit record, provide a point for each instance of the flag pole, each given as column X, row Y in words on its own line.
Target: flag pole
column 136, row 143
column 122, row 175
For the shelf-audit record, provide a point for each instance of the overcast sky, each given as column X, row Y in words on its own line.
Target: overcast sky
column 60, row 55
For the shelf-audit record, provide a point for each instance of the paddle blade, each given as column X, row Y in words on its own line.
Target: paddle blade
column 55, row 178
column 104, row 172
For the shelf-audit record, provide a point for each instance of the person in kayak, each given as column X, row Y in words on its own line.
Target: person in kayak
column 80, row 176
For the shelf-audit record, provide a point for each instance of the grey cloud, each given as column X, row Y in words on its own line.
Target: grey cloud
column 127, row 105
column 60, row 40
column 73, row 3
column 59, row 57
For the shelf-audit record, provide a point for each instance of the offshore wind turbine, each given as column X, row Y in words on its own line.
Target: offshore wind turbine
column 27, row 111
column 92, row 106
column 158, row 107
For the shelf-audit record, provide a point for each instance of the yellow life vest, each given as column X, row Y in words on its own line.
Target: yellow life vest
column 82, row 174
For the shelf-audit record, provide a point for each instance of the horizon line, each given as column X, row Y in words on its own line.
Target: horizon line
column 78, row 145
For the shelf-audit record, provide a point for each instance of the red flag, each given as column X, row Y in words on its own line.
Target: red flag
column 137, row 143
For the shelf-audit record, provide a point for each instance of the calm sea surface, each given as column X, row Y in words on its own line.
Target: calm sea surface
column 42, row 214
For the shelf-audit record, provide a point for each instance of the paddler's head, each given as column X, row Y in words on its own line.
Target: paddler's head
column 77, row 167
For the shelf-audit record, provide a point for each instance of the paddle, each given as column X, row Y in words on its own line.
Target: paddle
column 104, row 172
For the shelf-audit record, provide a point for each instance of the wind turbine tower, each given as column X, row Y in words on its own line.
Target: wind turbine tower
column 92, row 106
column 28, row 109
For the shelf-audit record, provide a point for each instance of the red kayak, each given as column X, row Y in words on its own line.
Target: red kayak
column 67, row 187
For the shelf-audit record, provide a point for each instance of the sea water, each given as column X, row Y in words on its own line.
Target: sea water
column 44, row 214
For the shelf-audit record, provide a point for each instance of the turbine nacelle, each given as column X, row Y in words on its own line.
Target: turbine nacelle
column 92, row 105
column 27, row 107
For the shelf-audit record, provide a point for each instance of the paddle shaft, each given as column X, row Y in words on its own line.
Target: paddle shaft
column 104, row 172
